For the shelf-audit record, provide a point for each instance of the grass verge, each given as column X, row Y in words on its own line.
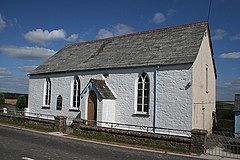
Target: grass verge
column 27, row 125
column 110, row 139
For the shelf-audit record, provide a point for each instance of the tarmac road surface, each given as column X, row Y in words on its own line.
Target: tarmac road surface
column 17, row 144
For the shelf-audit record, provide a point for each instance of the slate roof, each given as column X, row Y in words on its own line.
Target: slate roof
column 167, row 46
column 103, row 89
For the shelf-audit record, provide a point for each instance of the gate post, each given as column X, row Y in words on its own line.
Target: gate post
column 198, row 140
column 60, row 123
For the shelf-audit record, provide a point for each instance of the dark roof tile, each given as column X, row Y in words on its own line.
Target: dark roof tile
column 167, row 46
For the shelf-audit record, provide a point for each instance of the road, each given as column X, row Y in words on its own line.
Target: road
column 17, row 144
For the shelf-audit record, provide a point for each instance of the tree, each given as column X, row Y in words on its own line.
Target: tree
column 21, row 102
column 2, row 100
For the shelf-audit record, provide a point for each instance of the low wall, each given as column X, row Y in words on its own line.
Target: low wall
column 58, row 124
column 194, row 143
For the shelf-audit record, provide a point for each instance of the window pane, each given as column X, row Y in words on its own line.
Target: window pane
column 74, row 104
column 46, row 99
column 146, row 93
column 139, row 93
column 146, row 86
column 143, row 74
column 139, row 100
column 49, row 96
column 75, row 85
column 146, row 79
column 140, row 79
column 145, row 100
column 145, row 108
column 140, row 85
column 139, row 108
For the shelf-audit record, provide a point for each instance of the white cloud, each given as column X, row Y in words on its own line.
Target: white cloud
column 117, row 30
column 218, row 34
column 232, row 55
column 43, row 37
column 3, row 24
column 27, row 53
column 158, row 18
column 4, row 73
column 72, row 38
column 15, row 85
column 26, row 68
column 122, row 29
column 104, row 33
column 236, row 37
column 226, row 90
column 9, row 83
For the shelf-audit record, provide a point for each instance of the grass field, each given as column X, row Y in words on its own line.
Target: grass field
column 225, row 110
column 11, row 101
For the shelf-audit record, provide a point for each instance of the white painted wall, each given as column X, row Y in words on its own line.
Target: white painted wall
column 173, row 101
column 173, row 98
column 203, row 102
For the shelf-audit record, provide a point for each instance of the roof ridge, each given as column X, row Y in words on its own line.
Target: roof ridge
column 138, row 33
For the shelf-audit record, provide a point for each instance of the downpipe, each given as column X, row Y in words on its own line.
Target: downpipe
column 155, row 99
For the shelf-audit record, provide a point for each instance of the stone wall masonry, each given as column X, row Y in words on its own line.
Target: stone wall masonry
column 59, row 124
column 195, row 143
column 79, row 126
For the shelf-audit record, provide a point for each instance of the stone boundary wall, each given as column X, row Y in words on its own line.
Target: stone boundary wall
column 196, row 142
column 58, row 124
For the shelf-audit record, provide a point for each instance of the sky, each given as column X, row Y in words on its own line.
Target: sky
column 31, row 31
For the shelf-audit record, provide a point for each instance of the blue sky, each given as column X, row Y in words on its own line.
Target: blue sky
column 31, row 31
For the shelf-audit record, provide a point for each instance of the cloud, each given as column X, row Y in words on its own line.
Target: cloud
column 218, row 34
column 43, row 37
column 3, row 23
column 122, row 29
column 171, row 12
column 158, row 18
column 236, row 69
column 26, row 68
column 232, row 55
column 4, row 73
column 236, row 37
column 117, row 30
column 72, row 38
column 14, row 85
column 227, row 90
column 104, row 33
column 9, row 83
column 27, row 53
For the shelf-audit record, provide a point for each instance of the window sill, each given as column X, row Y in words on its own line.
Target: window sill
column 45, row 107
column 140, row 115
column 74, row 110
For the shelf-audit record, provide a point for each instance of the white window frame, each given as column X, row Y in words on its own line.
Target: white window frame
column 75, row 102
column 47, row 92
column 145, row 80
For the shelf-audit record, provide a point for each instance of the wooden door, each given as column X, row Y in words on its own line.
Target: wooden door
column 92, row 108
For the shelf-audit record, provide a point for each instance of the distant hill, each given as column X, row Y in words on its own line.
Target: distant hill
column 13, row 95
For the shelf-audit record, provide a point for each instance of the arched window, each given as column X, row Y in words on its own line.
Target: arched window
column 47, row 92
column 143, row 93
column 76, row 92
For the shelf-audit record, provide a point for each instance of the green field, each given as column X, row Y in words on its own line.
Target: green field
column 225, row 110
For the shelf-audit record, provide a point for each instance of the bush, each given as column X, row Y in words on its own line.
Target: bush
column 2, row 100
column 21, row 102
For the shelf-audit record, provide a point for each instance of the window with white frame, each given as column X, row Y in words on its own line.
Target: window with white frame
column 47, row 92
column 76, row 92
column 143, row 93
